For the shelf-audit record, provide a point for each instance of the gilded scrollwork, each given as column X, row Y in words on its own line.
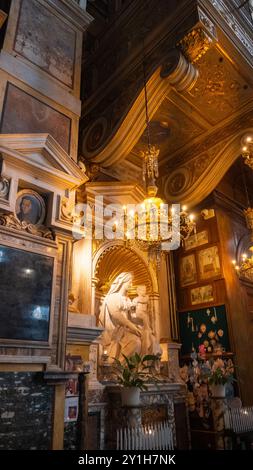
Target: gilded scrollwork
column 186, row 175
column 12, row 222
column 195, row 44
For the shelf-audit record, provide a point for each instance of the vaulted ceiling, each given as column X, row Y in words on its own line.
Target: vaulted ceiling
column 193, row 126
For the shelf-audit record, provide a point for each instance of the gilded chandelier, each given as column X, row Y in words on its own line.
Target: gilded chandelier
column 247, row 150
column 153, row 223
column 245, row 267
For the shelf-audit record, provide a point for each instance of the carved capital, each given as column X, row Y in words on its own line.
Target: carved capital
column 12, row 222
column 195, row 44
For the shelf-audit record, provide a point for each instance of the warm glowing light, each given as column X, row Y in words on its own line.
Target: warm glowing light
column 245, row 149
column 191, row 217
column 234, row 262
column 237, row 268
column 248, row 139
column 28, row 271
column 184, row 208
column 165, row 356
column 131, row 213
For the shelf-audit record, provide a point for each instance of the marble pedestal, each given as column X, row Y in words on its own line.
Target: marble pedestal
column 156, row 405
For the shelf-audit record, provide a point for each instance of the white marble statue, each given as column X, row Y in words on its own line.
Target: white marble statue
column 126, row 323
column 141, row 316
column 121, row 335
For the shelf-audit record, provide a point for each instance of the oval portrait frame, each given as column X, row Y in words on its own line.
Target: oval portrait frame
column 39, row 200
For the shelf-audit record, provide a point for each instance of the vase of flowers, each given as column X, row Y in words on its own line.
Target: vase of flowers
column 219, row 374
column 218, row 391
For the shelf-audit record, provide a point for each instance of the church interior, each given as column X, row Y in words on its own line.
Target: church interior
column 126, row 224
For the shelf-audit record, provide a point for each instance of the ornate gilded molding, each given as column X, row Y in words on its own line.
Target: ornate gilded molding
column 4, row 187
column 141, row 263
column 195, row 44
column 192, row 182
column 12, row 222
column 183, row 177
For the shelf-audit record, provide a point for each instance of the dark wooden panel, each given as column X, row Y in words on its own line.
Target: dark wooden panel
column 93, row 434
column 203, row 440
column 181, row 426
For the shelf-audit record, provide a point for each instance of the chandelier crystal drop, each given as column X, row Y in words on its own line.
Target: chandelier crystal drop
column 150, row 163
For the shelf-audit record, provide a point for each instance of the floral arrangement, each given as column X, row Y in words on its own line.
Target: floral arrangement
column 212, row 371
column 200, row 375
column 220, row 372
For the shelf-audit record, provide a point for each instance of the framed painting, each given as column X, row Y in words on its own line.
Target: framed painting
column 202, row 295
column 71, row 409
column 30, row 207
column 25, row 312
column 209, row 263
column 196, row 240
column 188, row 271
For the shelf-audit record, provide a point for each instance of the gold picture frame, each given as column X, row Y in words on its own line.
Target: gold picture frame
column 188, row 271
column 209, row 262
column 196, row 240
column 202, row 295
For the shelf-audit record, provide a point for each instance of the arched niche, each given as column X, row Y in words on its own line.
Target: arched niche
column 113, row 258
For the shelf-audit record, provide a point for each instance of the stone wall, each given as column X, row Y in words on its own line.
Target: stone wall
column 26, row 405
column 70, row 436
